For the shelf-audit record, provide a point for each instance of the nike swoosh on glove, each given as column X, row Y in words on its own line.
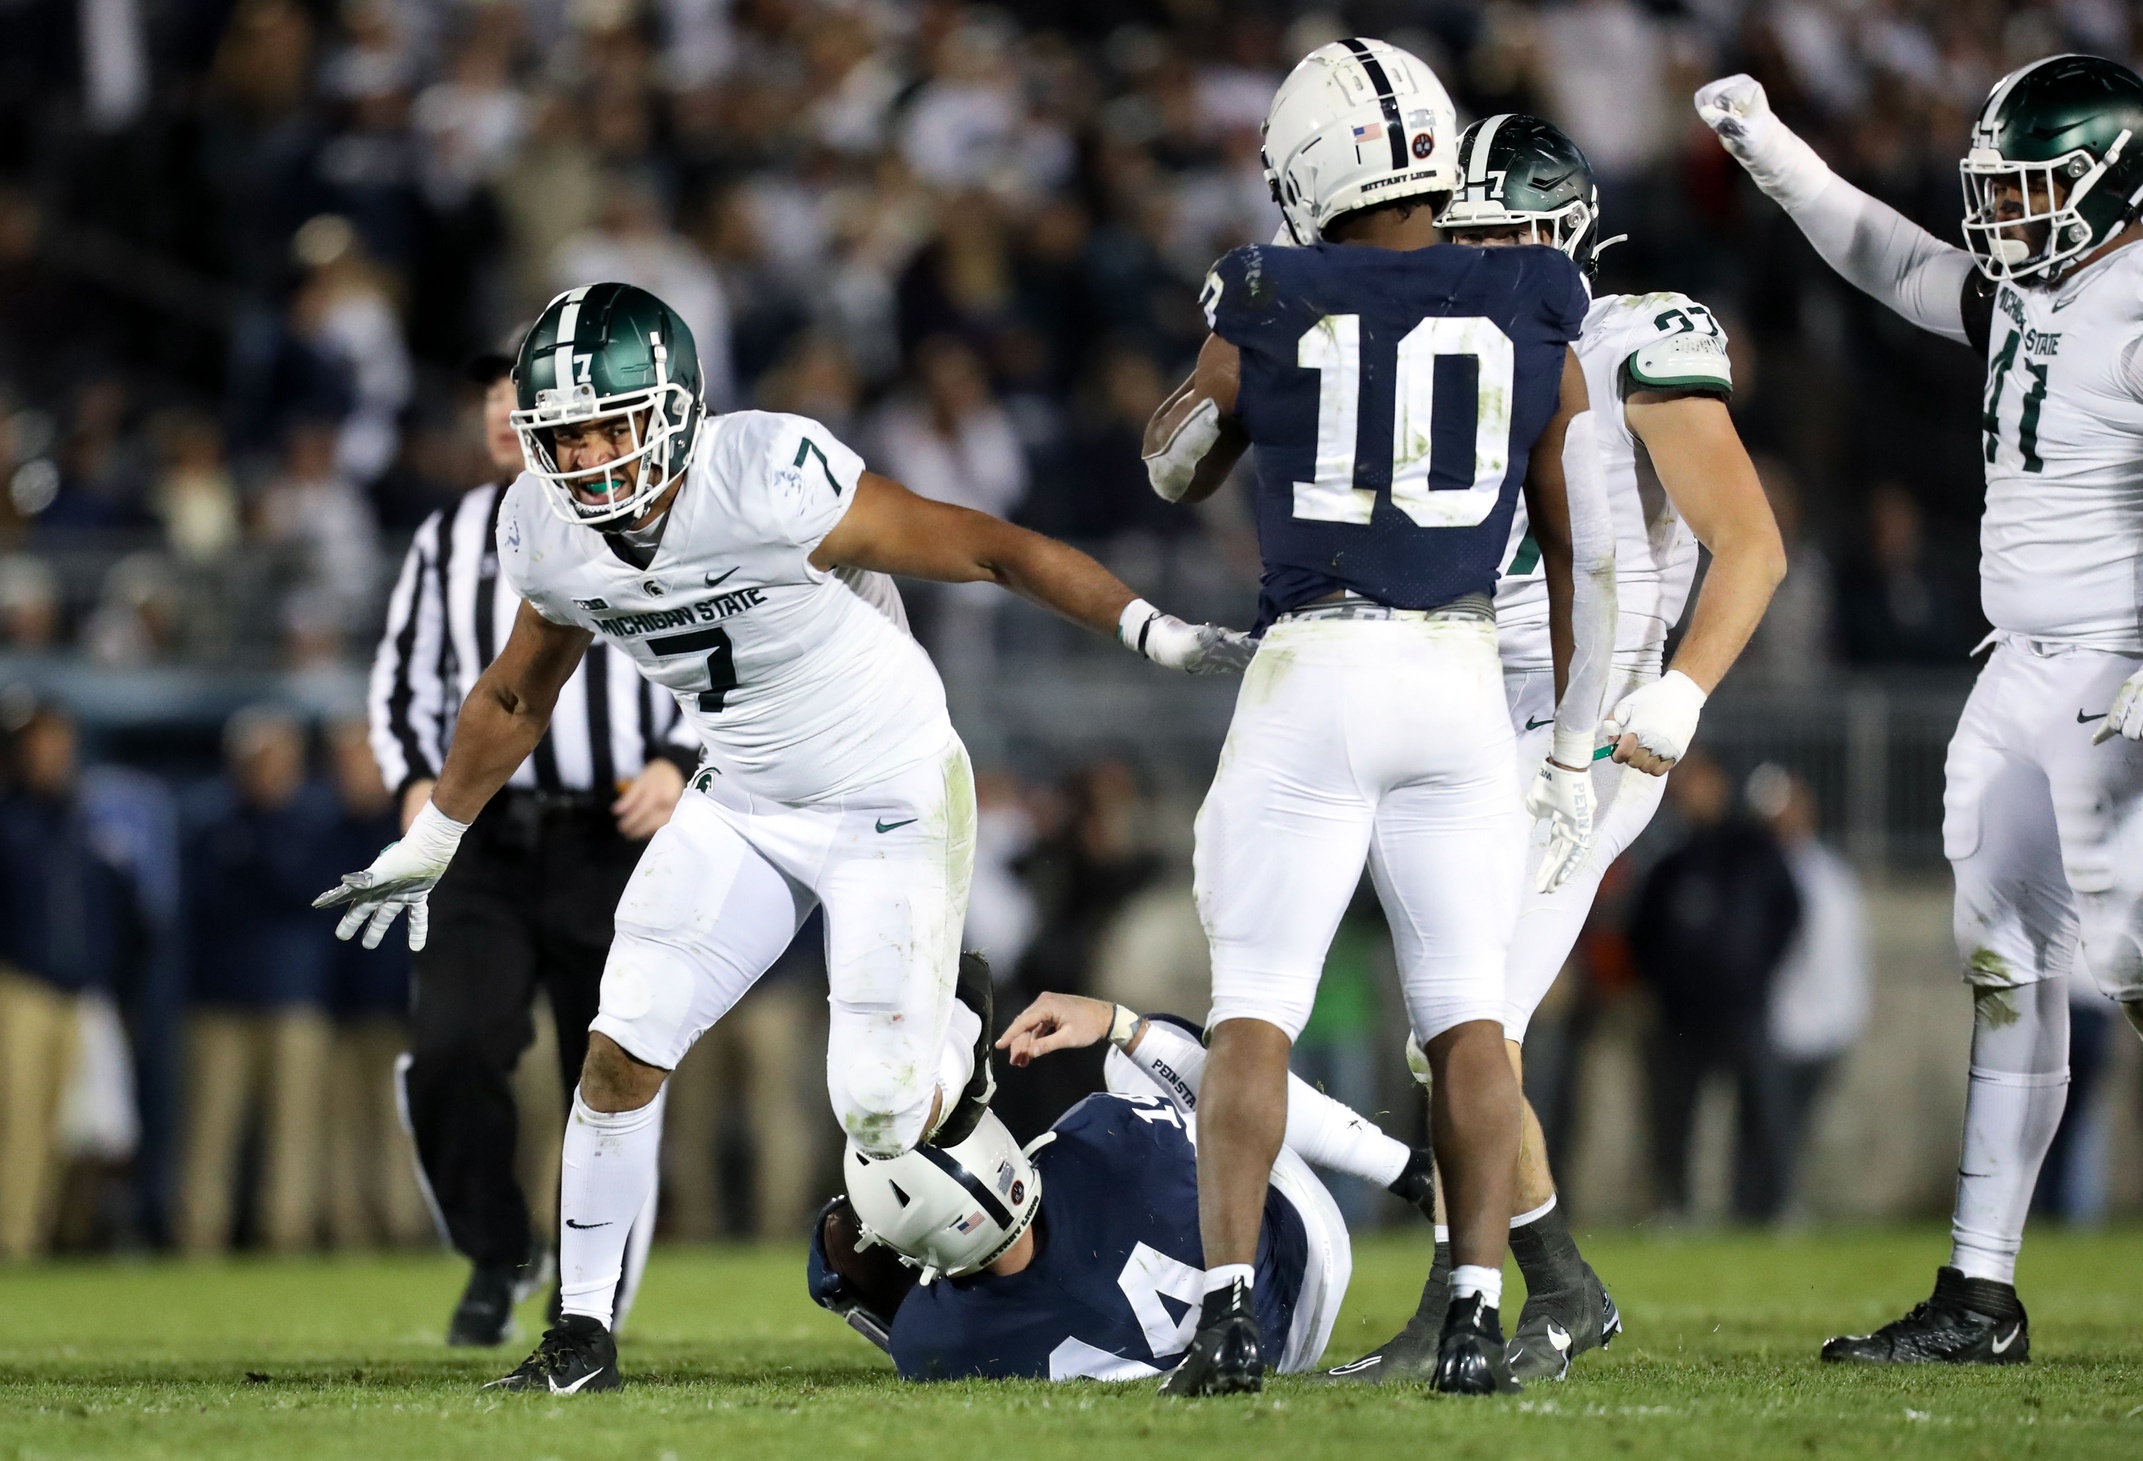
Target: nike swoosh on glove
column 401, row 877
column 1783, row 165
column 2126, row 716
column 1563, row 798
column 1661, row 715
column 1198, row 649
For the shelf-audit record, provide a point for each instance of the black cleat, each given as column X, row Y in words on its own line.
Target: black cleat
column 975, row 989
column 577, row 1357
column 1555, row 1327
column 1223, row 1358
column 1469, row 1357
column 484, row 1317
column 1967, row 1321
column 1410, row 1355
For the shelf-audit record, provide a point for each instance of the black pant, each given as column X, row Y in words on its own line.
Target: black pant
column 1680, row 1058
column 527, row 904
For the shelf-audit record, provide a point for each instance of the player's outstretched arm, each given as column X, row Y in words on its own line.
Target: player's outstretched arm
column 1877, row 249
column 1568, row 516
column 1320, row 1130
column 499, row 726
column 889, row 529
column 1712, row 483
column 1193, row 440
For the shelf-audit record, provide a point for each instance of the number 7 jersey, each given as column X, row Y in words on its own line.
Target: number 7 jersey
column 802, row 683
column 1394, row 398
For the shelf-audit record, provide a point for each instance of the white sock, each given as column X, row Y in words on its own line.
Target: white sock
column 956, row 1058
column 2009, row 1122
column 2020, row 1082
column 1523, row 1218
column 1219, row 1278
column 1473, row 1278
column 1325, row 1133
column 608, row 1168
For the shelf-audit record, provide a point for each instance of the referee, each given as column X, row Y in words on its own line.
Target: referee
column 528, row 901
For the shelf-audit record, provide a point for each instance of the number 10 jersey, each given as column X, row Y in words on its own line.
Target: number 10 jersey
column 1394, row 398
column 803, row 684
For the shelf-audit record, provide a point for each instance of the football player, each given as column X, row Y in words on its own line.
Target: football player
column 740, row 560
column 1656, row 372
column 2043, row 796
column 1080, row 1256
column 1399, row 392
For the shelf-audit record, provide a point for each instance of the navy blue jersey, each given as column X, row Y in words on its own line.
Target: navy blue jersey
column 1393, row 398
column 1119, row 1270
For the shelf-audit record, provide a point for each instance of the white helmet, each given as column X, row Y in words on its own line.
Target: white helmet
column 946, row 1210
column 1355, row 124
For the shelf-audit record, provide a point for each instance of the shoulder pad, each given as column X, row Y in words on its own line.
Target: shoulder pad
column 1679, row 347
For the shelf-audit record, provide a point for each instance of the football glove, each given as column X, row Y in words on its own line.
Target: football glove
column 1198, row 649
column 1736, row 108
column 401, row 877
column 1562, row 798
column 1661, row 715
column 2126, row 716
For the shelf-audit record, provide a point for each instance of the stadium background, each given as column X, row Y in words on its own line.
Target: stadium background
column 244, row 248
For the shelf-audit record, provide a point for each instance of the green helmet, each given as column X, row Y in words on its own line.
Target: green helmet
column 1520, row 170
column 2063, row 137
column 609, row 350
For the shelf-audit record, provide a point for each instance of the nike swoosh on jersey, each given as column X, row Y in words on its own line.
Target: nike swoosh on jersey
column 2082, row 719
column 1532, row 724
column 2001, row 1344
column 2062, row 304
column 574, row 1388
column 884, row 826
column 714, row 582
column 585, row 1226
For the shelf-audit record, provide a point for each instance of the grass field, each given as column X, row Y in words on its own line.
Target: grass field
column 727, row 1358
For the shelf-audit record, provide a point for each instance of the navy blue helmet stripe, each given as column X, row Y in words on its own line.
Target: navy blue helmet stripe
column 1390, row 103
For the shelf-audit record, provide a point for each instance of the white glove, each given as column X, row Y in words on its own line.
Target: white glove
column 2126, row 716
column 402, row 876
column 1564, row 799
column 1200, row 649
column 1661, row 715
column 1783, row 165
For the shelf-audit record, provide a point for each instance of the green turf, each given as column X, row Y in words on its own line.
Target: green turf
column 342, row 1358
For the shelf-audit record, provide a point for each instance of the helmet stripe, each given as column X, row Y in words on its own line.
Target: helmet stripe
column 976, row 1187
column 1389, row 102
column 1477, row 167
column 568, row 327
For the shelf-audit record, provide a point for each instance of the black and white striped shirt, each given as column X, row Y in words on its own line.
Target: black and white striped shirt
column 448, row 618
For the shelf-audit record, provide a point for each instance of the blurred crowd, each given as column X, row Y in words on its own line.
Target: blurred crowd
column 244, row 245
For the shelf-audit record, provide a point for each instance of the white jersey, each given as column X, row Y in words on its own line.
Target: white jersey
column 803, row 684
column 1630, row 342
column 2061, row 543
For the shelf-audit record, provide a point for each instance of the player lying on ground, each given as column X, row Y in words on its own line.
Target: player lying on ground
column 979, row 1260
column 2043, row 789
column 1401, row 392
column 741, row 562
column 1676, row 475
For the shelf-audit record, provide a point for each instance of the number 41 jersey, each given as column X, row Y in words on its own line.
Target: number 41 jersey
column 803, row 684
column 1394, row 398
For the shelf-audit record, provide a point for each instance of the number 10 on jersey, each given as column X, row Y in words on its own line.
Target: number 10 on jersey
column 1333, row 348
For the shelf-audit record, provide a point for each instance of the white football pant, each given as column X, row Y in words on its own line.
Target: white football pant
column 722, row 890
column 1624, row 803
column 1384, row 739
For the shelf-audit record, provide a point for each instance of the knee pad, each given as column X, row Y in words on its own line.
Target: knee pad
column 883, row 1101
column 1284, row 1000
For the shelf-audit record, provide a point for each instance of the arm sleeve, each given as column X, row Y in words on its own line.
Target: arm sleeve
column 407, row 702
column 1320, row 1130
column 1592, row 608
column 1874, row 247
